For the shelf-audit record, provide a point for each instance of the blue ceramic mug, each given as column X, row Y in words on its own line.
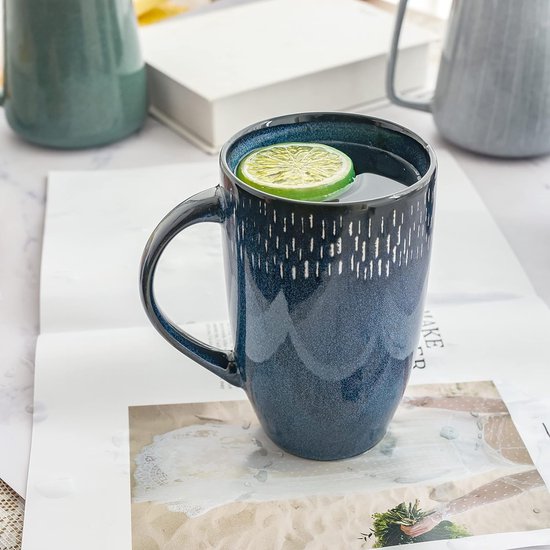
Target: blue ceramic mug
column 325, row 298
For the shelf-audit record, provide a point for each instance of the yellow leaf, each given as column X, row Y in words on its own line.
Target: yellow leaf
column 160, row 12
column 143, row 6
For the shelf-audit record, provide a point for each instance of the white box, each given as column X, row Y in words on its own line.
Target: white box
column 212, row 74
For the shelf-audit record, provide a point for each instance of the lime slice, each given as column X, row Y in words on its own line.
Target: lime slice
column 306, row 171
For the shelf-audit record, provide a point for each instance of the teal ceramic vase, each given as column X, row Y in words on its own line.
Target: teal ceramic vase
column 74, row 75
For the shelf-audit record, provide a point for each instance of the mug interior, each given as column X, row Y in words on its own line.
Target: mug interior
column 344, row 127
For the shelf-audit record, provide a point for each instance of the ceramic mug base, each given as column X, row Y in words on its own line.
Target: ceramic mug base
column 330, row 454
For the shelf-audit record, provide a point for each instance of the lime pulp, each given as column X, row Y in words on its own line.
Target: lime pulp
column 303, row 171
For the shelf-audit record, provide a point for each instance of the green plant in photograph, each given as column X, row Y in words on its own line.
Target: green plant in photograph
column 387, row 526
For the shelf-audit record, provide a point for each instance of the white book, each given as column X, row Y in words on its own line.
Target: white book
column 214, row 73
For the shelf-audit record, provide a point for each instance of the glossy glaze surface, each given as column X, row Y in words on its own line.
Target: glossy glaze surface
column 74, row 76
column 328, row 302
column 325, row 299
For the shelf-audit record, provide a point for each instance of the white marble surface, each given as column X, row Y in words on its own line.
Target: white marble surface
column 516, row 192
column 23, row 171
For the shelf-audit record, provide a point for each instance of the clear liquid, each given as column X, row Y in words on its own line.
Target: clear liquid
column 378, row 173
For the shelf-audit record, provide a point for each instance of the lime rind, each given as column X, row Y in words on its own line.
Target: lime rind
column 304, row 171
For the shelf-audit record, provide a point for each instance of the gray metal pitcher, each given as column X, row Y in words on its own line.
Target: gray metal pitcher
column 493, row 89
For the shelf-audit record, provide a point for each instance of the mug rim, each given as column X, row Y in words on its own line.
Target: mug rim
column 303, row 117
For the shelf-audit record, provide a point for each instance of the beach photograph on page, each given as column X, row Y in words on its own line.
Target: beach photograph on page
column 452, row 465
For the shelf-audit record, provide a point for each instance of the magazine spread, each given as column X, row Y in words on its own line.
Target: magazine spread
column 116, row 406
column 205, row 475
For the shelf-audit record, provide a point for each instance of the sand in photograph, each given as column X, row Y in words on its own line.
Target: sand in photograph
column 335, row 519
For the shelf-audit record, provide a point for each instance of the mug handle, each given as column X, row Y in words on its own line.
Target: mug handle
column 203, row 207
column 392, row 61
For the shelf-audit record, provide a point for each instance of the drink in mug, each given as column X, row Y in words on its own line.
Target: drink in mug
column 325, row 297
column 326, row 171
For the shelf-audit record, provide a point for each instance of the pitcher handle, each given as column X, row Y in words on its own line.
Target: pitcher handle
column 5, row 55
column 203, row 207
column 392, row 61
